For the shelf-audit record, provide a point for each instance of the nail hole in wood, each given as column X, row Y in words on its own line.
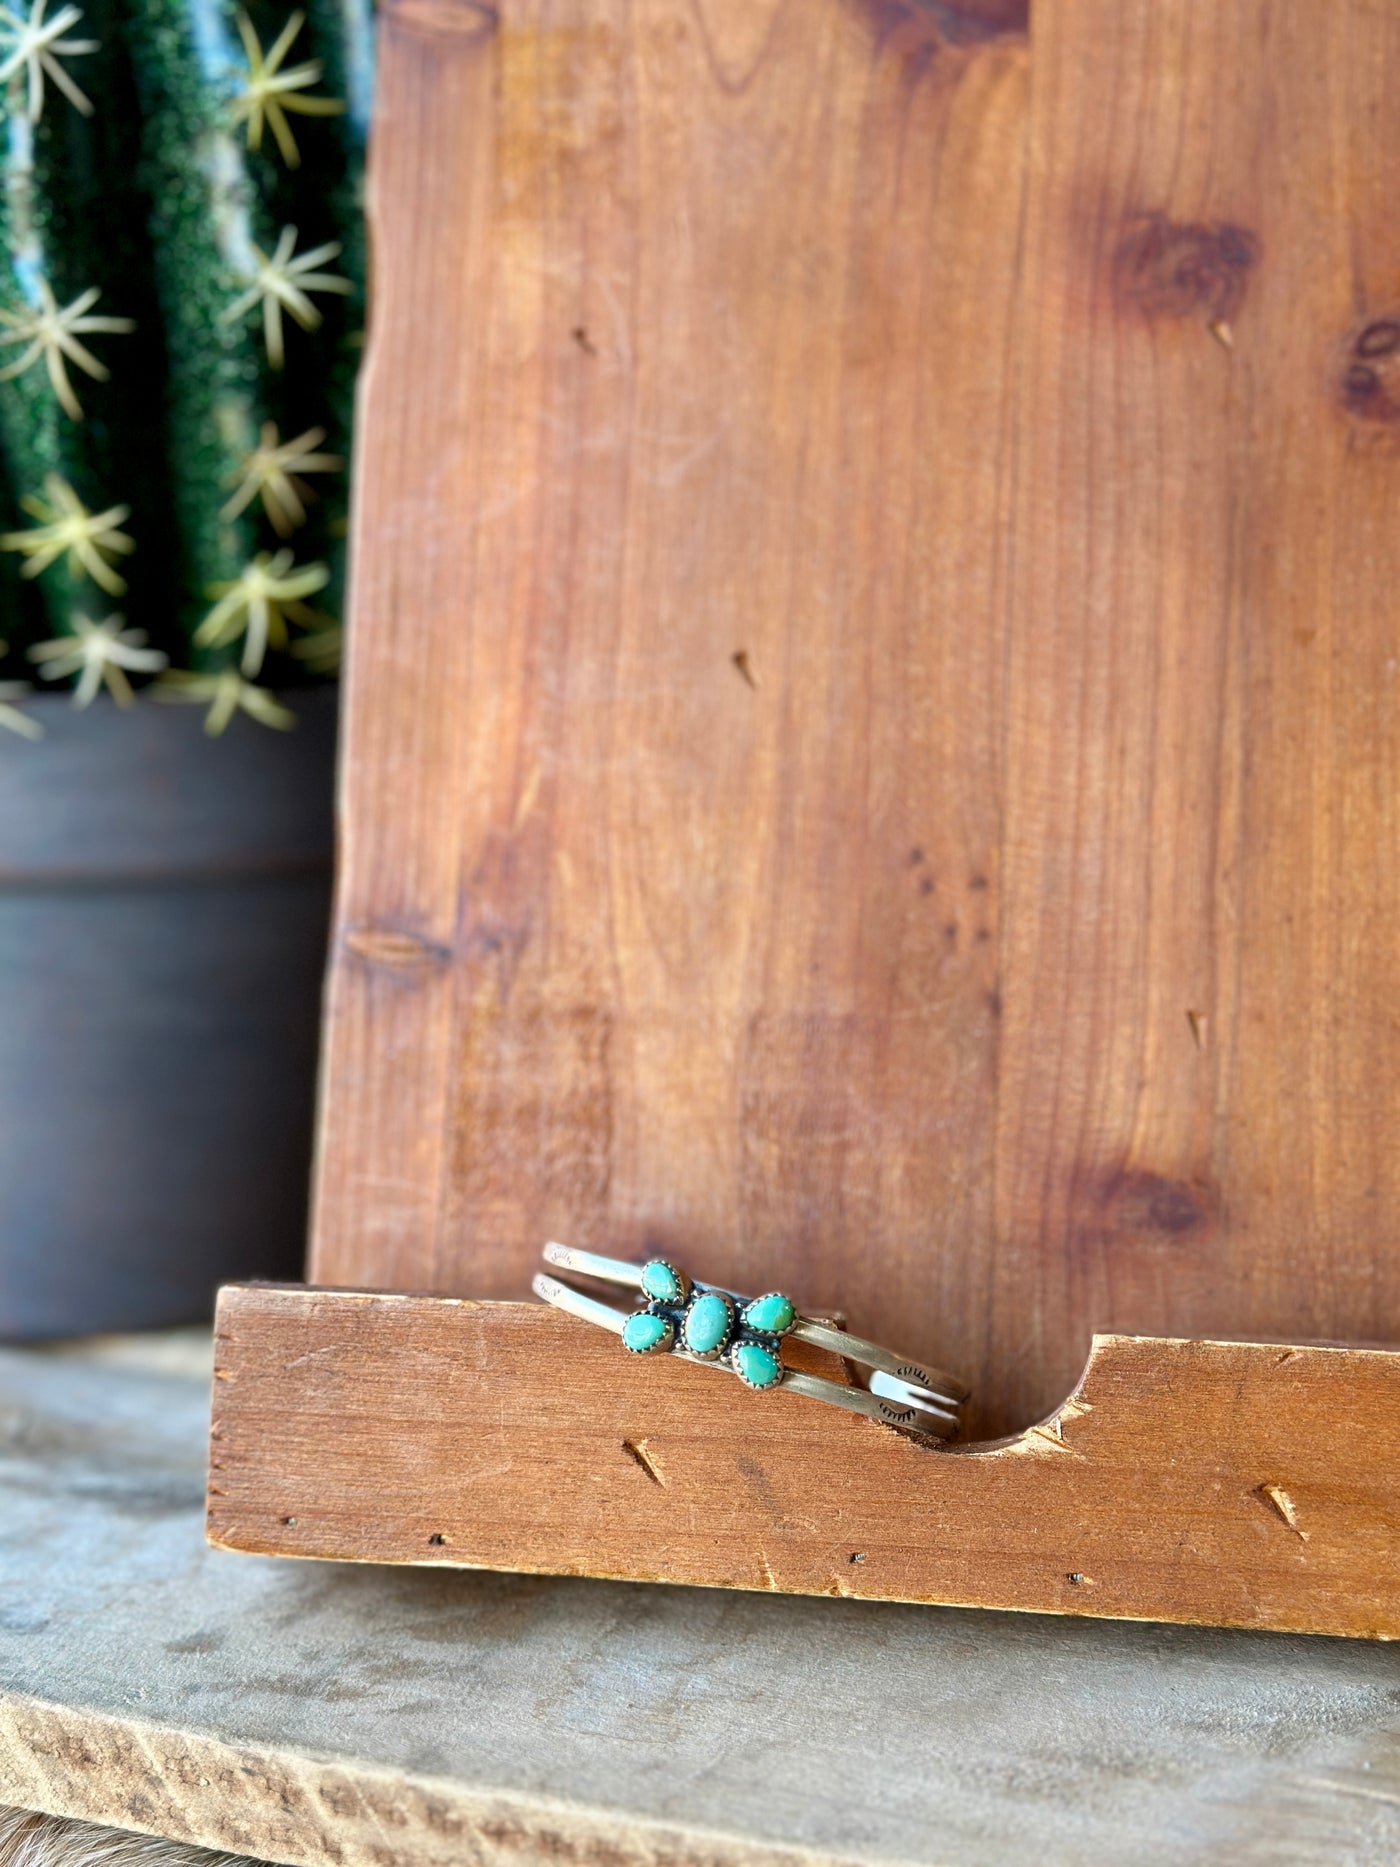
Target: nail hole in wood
column 636, row 1450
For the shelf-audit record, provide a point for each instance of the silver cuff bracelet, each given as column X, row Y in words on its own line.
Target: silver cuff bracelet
column 705, row 1323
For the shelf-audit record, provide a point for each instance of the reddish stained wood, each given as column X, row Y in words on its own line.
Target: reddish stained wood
column 668, row 899
column 871, row 759
column 1243, row 1484
column 868, row 760
column 1199, row 1078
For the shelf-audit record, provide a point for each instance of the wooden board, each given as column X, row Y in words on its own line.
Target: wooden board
column 1242, row 1484
column 667, row 904
column 322, row 1713
column 1199, row 1076
column 1001, row 948
column 872, row 756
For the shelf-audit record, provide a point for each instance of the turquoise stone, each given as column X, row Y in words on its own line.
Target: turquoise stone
column 709, row 1323
column 644, row 1333
column 771, row 1315
column 663, row 1283
column 755, row 1365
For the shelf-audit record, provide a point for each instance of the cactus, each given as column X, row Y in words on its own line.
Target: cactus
column 169, row 151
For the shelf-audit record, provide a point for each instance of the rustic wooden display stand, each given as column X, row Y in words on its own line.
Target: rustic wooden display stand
column 873, row 767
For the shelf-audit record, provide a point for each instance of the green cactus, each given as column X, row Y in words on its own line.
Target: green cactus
column 203, row 166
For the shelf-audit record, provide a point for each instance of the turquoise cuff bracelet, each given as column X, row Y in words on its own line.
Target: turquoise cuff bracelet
column 679, row 1315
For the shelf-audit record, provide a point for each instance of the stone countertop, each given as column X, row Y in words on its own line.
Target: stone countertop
column 329, row 1713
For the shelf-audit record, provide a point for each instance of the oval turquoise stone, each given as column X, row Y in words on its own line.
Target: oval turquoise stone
column 708, row 1323
column 755, row 1365
column 661, row 1282
column 771, row 1315
column 645, row 1333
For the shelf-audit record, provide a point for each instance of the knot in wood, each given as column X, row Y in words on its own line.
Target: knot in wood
column 1369, row 382
column 1173, row 269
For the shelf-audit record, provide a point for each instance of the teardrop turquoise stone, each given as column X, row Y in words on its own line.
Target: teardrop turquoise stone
column 708, row 1323
column 771, row 1315
column 755, row 1365
column 645, row 1333
column 662, row 1282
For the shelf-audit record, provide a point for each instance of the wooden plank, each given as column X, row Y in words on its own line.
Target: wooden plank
column 1200, row 1080
column 632, row 951
column 325, row 1713
column 668, row 910
column 873, row 771
column 1241, row 1484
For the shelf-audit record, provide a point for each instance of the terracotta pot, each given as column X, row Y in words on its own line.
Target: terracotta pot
column 164, row 904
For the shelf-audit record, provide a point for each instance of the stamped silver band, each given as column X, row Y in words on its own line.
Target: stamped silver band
column 895, row 1391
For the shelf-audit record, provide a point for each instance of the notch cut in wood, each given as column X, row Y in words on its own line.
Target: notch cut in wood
column 377, row 1427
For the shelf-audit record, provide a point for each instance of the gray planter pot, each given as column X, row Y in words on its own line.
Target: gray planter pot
column 164, row 905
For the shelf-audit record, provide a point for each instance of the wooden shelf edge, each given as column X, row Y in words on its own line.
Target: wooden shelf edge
column 1228, row 1483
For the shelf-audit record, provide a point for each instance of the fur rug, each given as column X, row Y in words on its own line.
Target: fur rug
column 46, row 1841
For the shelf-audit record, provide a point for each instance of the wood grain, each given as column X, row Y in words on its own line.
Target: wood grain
column 353, row 1715
column 873, row 761
column 1199, row 1077
column 1246, row 1485
column 668, row 907
column 873, row 767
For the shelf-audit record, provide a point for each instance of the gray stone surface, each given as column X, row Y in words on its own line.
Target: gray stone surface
column 329, row 1713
